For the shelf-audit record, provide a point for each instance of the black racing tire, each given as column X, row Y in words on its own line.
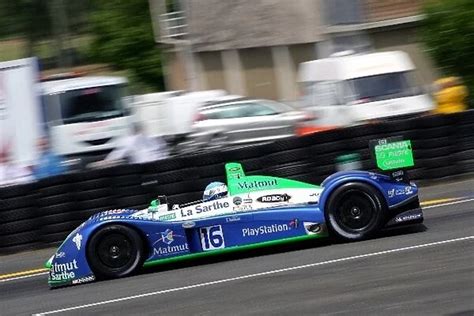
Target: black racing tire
column 18, row 214
column 93, row 194
column 20, row 238
column 115, row 251
column 55, row 190
column 129, row 201
column 287, row 156
column 355, row 211
column 18, row 226
column 54, row 199
column 18, row 202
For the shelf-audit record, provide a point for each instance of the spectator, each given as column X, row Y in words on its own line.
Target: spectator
column 49, row 164
column 139, row 148
column 450, row 96
column 12, row 173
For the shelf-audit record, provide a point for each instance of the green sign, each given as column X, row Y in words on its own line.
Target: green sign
column 396, row 155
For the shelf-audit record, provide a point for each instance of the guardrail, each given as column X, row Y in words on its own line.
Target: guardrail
column 42, row 214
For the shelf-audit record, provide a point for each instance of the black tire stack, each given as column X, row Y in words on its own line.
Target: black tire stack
column 19, row 218
column 43, row 213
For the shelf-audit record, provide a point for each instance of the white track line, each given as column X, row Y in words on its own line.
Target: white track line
column 255, row 275
column 424, row 208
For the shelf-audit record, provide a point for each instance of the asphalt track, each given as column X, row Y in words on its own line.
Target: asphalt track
column 423, row 270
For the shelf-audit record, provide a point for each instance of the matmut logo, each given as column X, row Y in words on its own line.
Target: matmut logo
column 258, row 184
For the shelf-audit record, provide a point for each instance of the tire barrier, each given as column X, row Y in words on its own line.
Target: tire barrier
column 42, row 214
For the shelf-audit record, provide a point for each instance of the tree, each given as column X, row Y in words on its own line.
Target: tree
column 448, row 31
column 123, row 37
column 27, row 18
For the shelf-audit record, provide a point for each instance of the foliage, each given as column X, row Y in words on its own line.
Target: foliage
column 448, row 31
column 123, row 37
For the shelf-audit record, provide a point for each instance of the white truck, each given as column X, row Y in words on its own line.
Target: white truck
column 355, row 88
column 85, row 114
column 81, row 115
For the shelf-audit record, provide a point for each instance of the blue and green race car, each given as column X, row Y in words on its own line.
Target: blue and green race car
column 249, row 211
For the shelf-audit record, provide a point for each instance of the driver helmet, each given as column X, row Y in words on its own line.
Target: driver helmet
column 214, row 190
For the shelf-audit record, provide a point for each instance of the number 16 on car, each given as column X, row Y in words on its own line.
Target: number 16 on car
column 212, row 237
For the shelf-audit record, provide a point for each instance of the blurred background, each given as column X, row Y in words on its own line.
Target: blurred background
column 198, row 74
column 105, row 104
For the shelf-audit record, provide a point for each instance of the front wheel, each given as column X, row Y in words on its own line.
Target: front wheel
column 355, row 211
column 115, row 251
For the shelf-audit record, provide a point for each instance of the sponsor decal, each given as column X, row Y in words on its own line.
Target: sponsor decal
column 265, row 230
column 248, row 200
column 77, row 240
column 232, row 219
column 108, row 218
column 84, row 280
column 242, row 208
column 113, row 212
column 397, row 192
column 237, row 200
column 397, row 173
column 188, row 224
column 205, row 207
column 60, row 255
column 63, row 271
column 168, row 237
column 273, row 198
column 314, row 198
column 408, row 217
column 294, row 223
column 258, row 184
column 167, row 217
column 170, row 250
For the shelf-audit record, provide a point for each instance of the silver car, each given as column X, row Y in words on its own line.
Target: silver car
column 244, row 121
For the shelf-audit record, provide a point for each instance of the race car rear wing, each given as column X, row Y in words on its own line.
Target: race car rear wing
column 393, row 155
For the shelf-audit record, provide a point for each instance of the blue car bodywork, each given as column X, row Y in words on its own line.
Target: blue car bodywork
column 278, row 210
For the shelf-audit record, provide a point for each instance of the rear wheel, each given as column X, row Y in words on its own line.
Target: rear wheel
column 355, row 211
column 115, row 251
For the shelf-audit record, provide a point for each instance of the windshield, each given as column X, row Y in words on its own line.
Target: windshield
column 92, row 104
column 381, row 87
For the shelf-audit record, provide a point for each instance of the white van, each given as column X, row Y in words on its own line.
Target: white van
column 351, row 89
column 171, row 112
